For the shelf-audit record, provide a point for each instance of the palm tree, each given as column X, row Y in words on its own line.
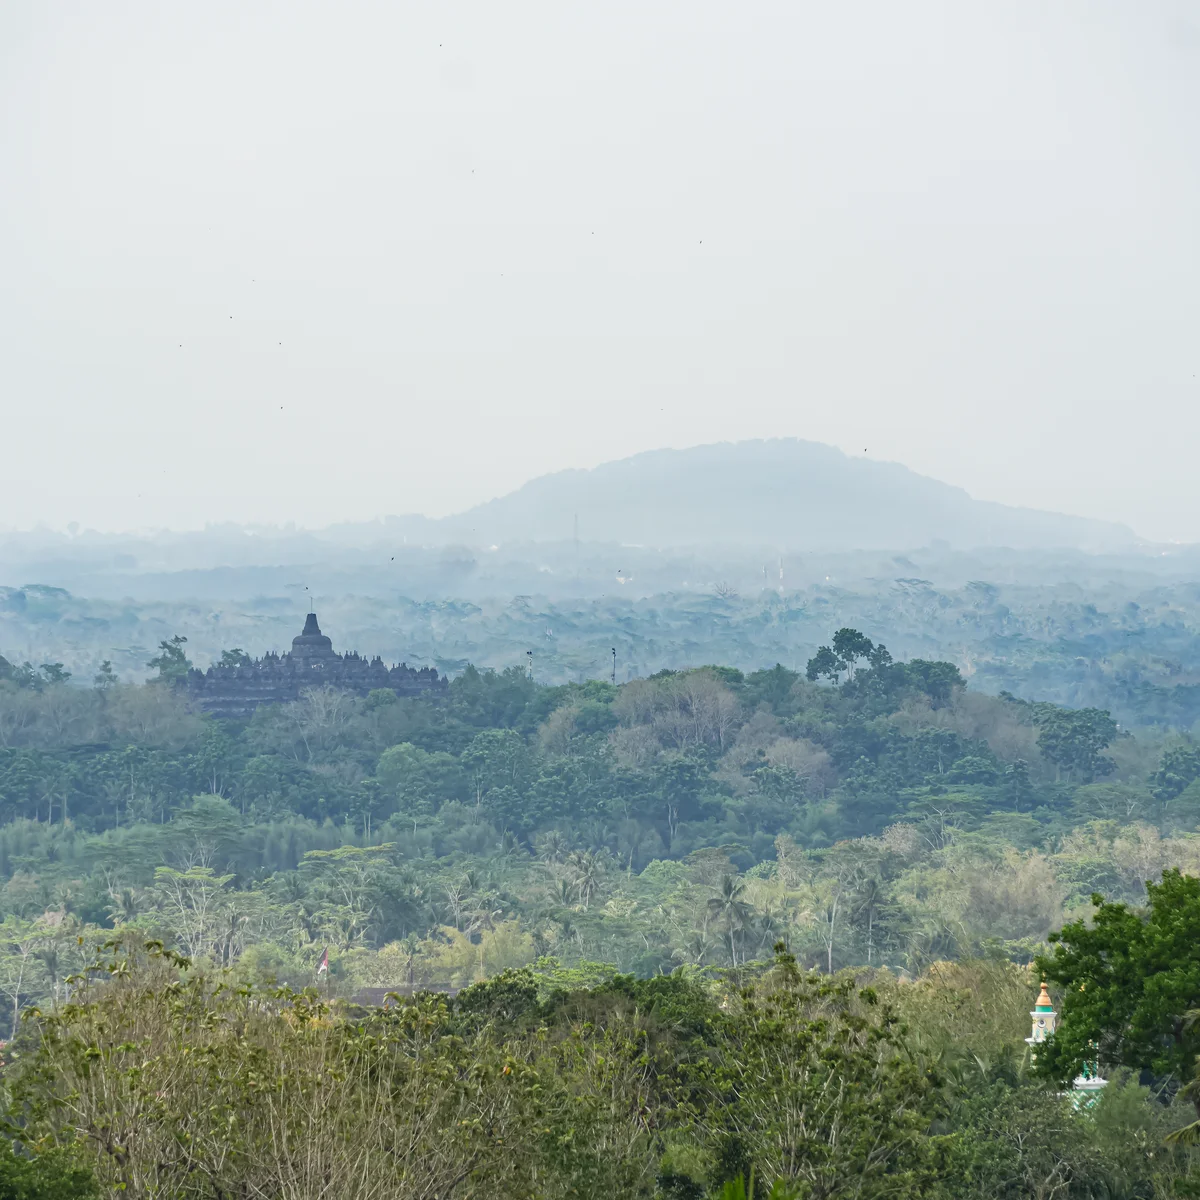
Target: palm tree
column 291, row 886
column 587, row 870
column 631, row 835
column 509, row 846
column 553, row 847
column 694, row 950
column 123, row 906
column 563, row 891
column 570, row 930
column 730, row 906
column 770, row 923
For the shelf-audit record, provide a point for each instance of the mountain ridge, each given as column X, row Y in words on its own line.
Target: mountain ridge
column 784, row 492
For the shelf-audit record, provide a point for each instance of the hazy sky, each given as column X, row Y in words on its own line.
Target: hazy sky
column 322, row 261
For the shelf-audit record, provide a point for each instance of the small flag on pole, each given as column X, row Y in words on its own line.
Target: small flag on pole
column 323, row 965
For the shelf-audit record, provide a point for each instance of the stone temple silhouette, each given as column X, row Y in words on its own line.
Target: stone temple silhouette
column 236, row 691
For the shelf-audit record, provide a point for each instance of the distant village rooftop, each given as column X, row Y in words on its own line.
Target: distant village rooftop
column 236, row 691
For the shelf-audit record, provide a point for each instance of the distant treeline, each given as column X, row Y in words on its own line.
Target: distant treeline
column 1127, row 643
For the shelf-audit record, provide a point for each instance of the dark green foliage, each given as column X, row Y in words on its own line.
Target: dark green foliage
column 1074, row 740
column 937, row 680
column 1130, row 980
column 775, row 688
column 509, row 998
column 490, row 699
column 52, row 1175
column 1017, row 788
column 825, row 664
column 1178, row 769
column 672, row 1186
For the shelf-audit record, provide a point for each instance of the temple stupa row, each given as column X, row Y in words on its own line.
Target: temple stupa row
column 236, row 691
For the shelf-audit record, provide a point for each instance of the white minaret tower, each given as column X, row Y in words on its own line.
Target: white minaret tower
column 1044, row 1017
column 1086, row 1085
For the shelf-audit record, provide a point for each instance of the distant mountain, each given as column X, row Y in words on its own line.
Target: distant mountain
column 784, row 493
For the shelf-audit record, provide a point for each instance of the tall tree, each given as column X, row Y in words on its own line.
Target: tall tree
column 825, row 664
column 850, row 645
column 1130, row 979
column 1075, row 739
column 171, row 662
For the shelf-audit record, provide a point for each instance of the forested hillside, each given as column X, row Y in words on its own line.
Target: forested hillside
column 864, row 811
column 662, row 918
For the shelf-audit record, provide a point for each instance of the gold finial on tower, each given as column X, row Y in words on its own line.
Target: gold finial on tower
column 1044, row 1017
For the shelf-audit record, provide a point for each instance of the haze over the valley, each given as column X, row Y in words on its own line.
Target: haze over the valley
column 261, row 265
column 684, row 329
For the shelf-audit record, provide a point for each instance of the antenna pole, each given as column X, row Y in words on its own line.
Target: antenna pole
column 614, row 674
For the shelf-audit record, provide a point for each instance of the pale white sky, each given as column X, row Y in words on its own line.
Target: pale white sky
column 311, row 262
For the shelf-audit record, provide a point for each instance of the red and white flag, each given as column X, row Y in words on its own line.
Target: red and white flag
column 323, row 965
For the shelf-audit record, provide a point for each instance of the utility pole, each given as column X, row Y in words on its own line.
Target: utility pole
column 528, row 664
column 614, row 674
